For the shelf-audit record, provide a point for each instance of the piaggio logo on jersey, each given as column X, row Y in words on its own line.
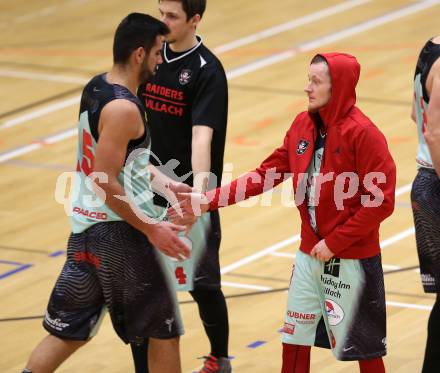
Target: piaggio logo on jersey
column 332, row 267
column 185, row 76
column 302, row 146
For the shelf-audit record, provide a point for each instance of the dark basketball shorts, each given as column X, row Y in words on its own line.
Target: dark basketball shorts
column 112, row 266
column 425, row 200
column 202, row 269
column 339, row 304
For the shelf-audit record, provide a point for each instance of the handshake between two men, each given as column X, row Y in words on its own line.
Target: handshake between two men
column 186, row 206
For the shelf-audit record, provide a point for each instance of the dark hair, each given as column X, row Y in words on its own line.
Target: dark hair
column 192, row 7
column 136, row 30
column 318, row 59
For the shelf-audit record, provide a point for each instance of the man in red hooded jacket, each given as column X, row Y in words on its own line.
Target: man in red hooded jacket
column 344, row 180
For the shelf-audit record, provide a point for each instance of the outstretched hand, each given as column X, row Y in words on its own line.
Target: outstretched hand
column 182, row 215
column 197, row 203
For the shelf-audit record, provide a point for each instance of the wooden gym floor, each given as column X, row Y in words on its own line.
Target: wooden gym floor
column 49, row 49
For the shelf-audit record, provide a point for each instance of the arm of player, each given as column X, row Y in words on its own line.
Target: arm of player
column 119, row 123
column 201, row 156
column 201, row 166
column 432, row 133
column 272, row 171
column 166, row 186
column 170, row 189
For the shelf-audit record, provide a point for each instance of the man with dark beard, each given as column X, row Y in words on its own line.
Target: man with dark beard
column 111, row 258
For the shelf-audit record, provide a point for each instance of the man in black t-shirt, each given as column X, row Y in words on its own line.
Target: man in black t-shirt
column 187, row 104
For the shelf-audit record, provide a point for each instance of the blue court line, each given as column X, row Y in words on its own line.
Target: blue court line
column 13, row 271
column 256, row 344
column 11, row 263
column 57, row 253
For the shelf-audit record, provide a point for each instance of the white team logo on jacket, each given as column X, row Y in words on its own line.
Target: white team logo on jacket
column 185, row 76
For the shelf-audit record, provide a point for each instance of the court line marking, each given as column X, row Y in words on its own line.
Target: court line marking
column 259, row 254
column 278, row 57
column 240, row 285
column 288, row 241
column 241, row 71
column 40, row 112
column 40, row 76
column 409, row 305
column 18, row 268
column 404, row 189
column 293, row 256
column 39, row 13
column 249, row 39
column 284, row 255
column 288, row 26
column 17, row 152
column 44, row 11
column 10, row 262
column 332, row 37
column 397, row 237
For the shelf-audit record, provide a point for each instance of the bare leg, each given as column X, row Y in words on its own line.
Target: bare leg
column 164, row 356
column 50, row 353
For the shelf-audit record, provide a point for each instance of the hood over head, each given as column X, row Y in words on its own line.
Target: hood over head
column 344, row 73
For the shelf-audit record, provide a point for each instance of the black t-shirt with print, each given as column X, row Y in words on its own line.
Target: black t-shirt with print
column 188, row 89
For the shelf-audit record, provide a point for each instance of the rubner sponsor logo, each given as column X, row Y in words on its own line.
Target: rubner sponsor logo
column 302, row 318
column 299, row 315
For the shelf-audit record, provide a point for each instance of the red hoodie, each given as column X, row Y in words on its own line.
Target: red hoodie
column 353, row 144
